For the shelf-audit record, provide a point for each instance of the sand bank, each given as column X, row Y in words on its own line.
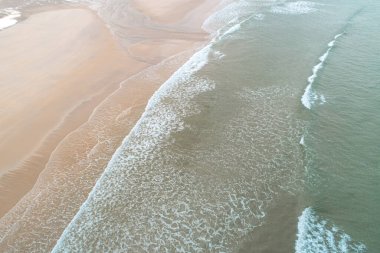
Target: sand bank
column 65, row 109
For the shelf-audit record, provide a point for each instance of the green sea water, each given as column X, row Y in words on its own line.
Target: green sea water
column 344, row 134
column 340, row 199
column 266, row 140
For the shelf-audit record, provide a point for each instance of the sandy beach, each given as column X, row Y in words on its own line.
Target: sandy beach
column 70, row 94
column 189, row 126
column 52, row 79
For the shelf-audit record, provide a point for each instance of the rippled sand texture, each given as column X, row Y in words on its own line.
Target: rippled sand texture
column 70, row 130
column 54, row 73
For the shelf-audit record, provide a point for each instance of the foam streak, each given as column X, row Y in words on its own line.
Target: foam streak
column 316, row 235
column 310, row 97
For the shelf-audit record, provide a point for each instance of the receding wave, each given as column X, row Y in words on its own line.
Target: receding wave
column 317, row 235
column 310, row 97
column 152, row 131
column 226, row 15
column 230, row 18
column 153, row 197
column 8, row 17
column 302, row 141
column 148, row 201
column 295, row 8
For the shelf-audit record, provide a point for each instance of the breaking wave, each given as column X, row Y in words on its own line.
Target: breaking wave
column 310, row 97
column 160, row 120
column 154, row 198
column 8, row 17
column 316, row 235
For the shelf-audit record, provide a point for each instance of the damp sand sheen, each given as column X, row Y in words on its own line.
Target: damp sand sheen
column 189, row 126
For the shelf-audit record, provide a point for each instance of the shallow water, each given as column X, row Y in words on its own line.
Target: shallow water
column 266, row 140
column 230, row 141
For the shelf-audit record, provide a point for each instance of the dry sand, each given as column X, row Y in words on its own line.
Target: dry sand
column 65, row 108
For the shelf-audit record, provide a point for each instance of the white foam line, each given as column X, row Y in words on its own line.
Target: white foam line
column 194, row 64
column 97, row 108
column 95, row 5
column 226, row 15
column 323, row 99
column 302, row 141
column 308, row 98
column 316, row 235
column 10, row 19
column 157, row 131
column 226, row 21
column 294, row 8
column 234, row 28
column 332, row 43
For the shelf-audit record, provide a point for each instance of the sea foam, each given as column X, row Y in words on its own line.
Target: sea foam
column 180, row 223
column 294, row 8
column 302, row 141
column 310, row 97
column 225, row 16
column 93, row 4
column 234, row 13
column 9, row 18
column 160, row 119
column 317, row 235
column 147, row 204
column 140, row 191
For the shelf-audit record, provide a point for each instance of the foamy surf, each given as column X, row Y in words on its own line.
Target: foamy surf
column 158, row 122
column 9, row 17
column 317, row 235
column 322, row 99
column 310, row 97
column 230, row 18
column 93, row 4
column 259, row 16
column 162, row 208
column 232, row 27
column 302, row 141
column 294, row 8
column 226, row 15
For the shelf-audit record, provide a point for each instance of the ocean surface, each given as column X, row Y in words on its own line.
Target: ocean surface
column 266, row 140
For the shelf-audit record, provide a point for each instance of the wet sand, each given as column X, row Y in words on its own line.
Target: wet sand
column 53, row 74
column 70, row 94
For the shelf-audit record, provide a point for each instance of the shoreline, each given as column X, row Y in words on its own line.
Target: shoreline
column 39, row 117
column 110, row 116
